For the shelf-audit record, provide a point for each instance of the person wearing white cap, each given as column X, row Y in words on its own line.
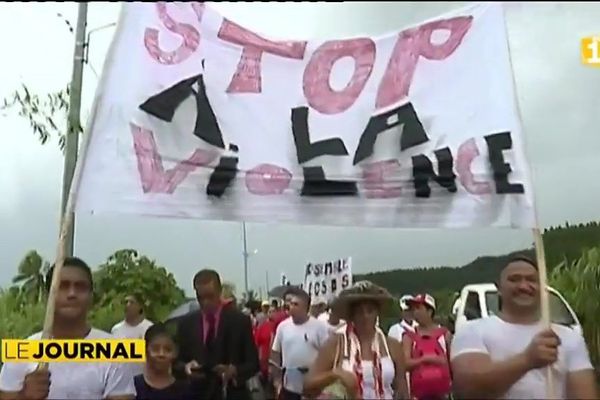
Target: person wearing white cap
column 407, row 322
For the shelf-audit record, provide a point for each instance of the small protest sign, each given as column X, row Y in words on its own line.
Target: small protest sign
column 325, row 281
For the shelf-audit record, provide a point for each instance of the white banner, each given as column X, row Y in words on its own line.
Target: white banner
column 325, row 281
column 197, row 117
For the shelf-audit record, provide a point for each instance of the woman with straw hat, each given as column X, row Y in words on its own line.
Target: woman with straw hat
column 359, row 362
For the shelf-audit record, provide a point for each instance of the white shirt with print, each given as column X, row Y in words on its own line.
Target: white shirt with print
column 502, row 340
column 299, row 346
column 70, row 380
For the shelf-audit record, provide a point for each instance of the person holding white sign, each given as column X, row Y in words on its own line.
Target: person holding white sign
column 297, row 342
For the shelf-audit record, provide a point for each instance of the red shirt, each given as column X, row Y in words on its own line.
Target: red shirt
column 278, row 318
column 262, row 337
column 217, row 314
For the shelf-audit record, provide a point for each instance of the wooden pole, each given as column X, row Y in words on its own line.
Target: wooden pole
column 537, row 235
column 540, row 255
column 65, row 239
column 73, row 123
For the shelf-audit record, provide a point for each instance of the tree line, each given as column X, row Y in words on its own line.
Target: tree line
column 125, row 272
column 561, row 243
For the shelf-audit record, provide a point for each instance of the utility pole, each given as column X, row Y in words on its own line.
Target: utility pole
column 74, row 120
column 267, row 281
column 246, row 255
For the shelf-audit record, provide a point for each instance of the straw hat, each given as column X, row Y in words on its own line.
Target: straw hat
column 359, row 292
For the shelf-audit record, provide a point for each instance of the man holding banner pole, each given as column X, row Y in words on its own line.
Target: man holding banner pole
column 506, row 355
column 65, row 380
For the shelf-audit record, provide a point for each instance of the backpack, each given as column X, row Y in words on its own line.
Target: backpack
column 429, row 380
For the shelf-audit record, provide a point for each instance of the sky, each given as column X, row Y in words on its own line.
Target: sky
column 560, row 110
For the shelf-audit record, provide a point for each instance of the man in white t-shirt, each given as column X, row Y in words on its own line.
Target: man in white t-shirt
column 407, row 322
column 90, row 381
column 506, row 356
column 134, row 326
column 296, row 345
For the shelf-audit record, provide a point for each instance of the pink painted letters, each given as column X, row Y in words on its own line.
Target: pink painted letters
column 189, row 35
column 375, row 184
column 316, row 82
column 153, row 176
column 268, row 179
column 247, row 77
column 412, row 44
column 467, row 152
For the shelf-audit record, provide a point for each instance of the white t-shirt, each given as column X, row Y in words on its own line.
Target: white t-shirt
column 299, row 346
column 91, row 381
column 335, row 328
column 502, row 340
column 397, row 330
column 324, row 316
column 123, row 330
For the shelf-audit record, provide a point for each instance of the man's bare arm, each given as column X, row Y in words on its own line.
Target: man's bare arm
column 476, row 376
column 10, row 395
column 397, row 353
column 275, row 367
column 582, row 385
column 409, row 362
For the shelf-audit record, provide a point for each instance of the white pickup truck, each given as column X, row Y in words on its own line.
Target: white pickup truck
column 481, row 300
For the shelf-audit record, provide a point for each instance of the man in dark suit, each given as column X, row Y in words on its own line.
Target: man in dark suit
column 216, row 345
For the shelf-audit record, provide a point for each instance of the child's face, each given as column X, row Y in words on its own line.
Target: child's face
column 161, row 352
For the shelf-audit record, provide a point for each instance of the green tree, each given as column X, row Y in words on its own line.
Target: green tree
column 127, row 272
column 19, row 318
column 46, row 113
column 31, row 276
column 578, row 282
column 106, row 316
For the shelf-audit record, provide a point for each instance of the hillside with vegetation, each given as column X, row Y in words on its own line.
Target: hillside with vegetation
column 572, row 258
column 562, row 244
